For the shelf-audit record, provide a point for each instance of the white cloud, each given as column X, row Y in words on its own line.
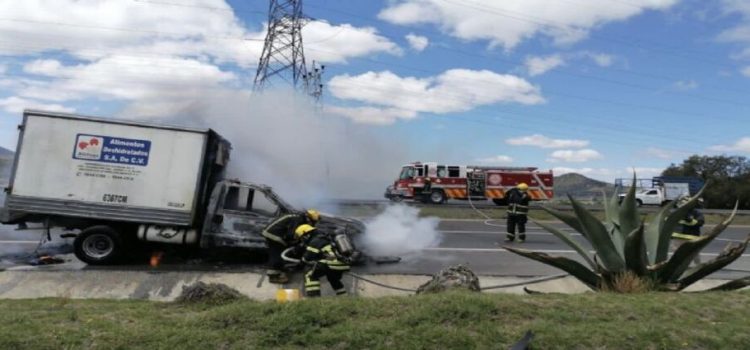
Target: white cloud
column 643, row 172
column 3, row 68
column 499, row 159
column 455, row 90
column 336, row 43
column 601, row 59
column 16, row 105
column 745, row 71
column 574, row 156
column 417, row 42
column 507, row 23
column 742, row 145
column 538, row 65
column 372, row 115
column 538, row 140
column 685, row 85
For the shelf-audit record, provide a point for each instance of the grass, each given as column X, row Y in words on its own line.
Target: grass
column 443, row 321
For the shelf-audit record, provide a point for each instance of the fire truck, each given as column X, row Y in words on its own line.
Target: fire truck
column 466, row 182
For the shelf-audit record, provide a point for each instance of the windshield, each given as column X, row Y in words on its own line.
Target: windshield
column 407, row 172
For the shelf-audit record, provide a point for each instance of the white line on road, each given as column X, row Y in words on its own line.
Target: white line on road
column 545, row 233
column 553, row 251
column 19, row 242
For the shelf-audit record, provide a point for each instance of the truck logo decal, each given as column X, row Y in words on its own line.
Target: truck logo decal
column 111, row 149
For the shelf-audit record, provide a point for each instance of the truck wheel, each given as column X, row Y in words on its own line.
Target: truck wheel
column 638, row 202
column 98, row 245
column 500, row 201
column 437, row 197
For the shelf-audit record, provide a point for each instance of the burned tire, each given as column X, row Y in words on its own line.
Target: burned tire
column 98, row 245
column 437, row 197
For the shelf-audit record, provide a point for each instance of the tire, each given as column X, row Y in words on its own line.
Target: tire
column 98, row 245
column 437, row 197
column 500, row 201
column 638, row 202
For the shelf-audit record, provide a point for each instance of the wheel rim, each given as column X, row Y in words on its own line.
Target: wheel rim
column 98, row 246
column 436, row 196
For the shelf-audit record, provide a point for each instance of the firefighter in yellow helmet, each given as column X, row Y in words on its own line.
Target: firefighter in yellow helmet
column 323, row 260
column 518, row 208
column 279, row 235
column 690, row 226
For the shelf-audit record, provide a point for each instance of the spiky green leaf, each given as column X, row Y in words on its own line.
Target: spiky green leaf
column 726, row 257
column 654, row 236
column 635, row 252
column 733, row 285
column 671, row 223
column 611, row 207
column 565, row 237
column 572, row 267
column 628, row 214
column 599, row 238
column 568, row 219
column 680, row 260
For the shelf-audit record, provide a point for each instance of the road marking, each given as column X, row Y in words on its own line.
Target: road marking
column 545, row 233
column 553, row 251
column 19, row 242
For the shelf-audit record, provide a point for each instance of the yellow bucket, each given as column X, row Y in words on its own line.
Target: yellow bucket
column 286, row 295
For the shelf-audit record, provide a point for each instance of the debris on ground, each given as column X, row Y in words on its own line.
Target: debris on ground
column 211, row 293
column 46, row 260
column 453, row 277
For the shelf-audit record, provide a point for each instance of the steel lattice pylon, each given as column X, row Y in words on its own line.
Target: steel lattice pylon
column 283, row 56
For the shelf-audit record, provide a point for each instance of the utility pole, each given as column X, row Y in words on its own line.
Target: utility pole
column 313, row 81
column 283, row 56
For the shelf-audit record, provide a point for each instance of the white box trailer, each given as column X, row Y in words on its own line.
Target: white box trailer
column 111, row 169
column 123, row 184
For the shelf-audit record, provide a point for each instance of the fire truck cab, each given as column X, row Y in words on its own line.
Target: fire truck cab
column 431, row 182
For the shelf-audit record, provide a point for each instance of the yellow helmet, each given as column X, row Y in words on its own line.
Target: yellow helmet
column 303, row 230
column 313, row 215
column 522, row 186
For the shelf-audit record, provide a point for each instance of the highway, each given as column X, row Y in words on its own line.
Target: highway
column 475, row 243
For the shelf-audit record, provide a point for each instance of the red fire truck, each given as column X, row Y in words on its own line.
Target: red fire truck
column 464, row 181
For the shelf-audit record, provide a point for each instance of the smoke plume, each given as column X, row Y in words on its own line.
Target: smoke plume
column 400, row 231
column 282, row 139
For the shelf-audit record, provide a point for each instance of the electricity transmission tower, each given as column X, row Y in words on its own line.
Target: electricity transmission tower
column 283, row 56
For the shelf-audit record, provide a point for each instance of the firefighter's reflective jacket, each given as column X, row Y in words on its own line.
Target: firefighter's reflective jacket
column 282, row 229
column 518, row 202
column 691, row 226
column 320, row 249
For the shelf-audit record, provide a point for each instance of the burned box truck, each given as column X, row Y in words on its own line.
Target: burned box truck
column 118, row 184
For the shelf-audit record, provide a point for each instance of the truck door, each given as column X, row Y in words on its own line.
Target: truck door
column 652, row 197
column 245, row 213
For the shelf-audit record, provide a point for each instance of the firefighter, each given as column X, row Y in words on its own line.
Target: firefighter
column 322, row 259
column 279, row 235
column 426, row 190
column 518, row 208
column 690, row 228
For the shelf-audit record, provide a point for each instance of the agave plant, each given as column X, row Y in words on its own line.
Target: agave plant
column 625, row 246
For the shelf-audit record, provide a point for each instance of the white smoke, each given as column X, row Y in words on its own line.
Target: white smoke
column 282, row 139
column 400, row 231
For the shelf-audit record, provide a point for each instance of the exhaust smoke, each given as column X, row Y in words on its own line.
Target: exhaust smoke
column 400, row 231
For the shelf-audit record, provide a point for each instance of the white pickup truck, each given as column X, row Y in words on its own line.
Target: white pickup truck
column 660, row 195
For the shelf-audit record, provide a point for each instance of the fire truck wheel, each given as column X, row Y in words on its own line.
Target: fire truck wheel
column 437, row 197
column 98, row 245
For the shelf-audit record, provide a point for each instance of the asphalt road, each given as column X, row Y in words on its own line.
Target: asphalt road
column 476, row 244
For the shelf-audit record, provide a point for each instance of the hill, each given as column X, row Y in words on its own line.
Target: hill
column 5, row 153
column 580, row 187
column 6, row 159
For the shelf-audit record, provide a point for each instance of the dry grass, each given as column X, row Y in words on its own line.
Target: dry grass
column 629, row 283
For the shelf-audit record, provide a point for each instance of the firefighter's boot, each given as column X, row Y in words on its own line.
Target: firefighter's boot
column 521, row 237
column 510, row 237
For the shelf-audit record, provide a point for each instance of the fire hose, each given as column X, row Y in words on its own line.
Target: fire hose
column 287, row 258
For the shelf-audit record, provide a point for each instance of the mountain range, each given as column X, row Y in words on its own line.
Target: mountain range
column 580, row 187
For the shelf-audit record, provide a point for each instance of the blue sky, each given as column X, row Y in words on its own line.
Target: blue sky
column 589, row 86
